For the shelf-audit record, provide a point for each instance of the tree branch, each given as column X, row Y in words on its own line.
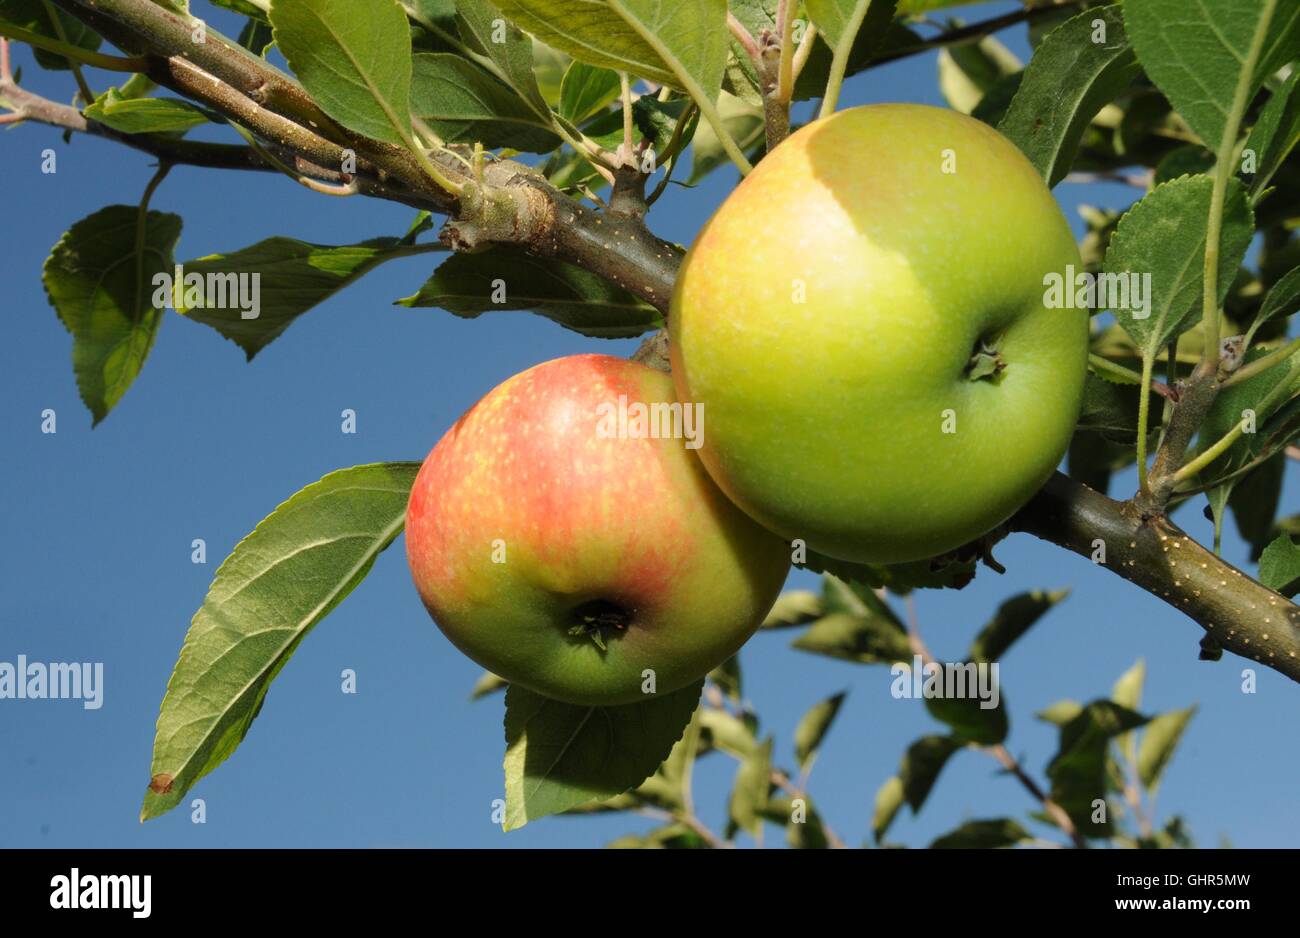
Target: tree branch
column 515, row 206
column 998, row 751
column 27, row 106
column 972, row 33
column 1236, row 611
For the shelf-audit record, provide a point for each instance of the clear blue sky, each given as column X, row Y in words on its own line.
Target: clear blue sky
column 95, row 562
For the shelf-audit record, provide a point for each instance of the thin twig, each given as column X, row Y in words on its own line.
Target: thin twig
column 1099, row 363
column 743, row 36
column 999, row 751
column 86, row 94
column 782, row 780
column 688, row 820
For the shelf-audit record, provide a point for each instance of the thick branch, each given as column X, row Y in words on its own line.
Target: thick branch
column 526, row 210
column 1239, row 613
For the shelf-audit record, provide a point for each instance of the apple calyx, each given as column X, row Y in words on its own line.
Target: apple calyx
column 986, row 362
column 599, row 618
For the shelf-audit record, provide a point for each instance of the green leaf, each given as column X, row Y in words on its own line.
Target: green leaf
column 1078, row 770
column 844, row 596
column 794, row 607
column 1190, row 160
column 145, row 115
column 889, row 798
column 487, row 684
column 669, row 787
column 508, row 48
column 655, row 119
column 101, row 288
column 354, row 59
column 1069, row 79
column 292, row 277
column 968, row 72
column 587, row 90
column 673, row 778
column 1195, row 52
column 242, row 7
column 33, row 16
column 1159, row 740
column 812, row 729
column 965, row 714
column 995, row 103
column 469, row 285
column 560, row 755
column 1275, row 134
column 862, row 639
column 726, row 732
column 464, row 104
column 1254, row 500
column 680, row 43
column 1229, row 409
column 1110, row 410
column 257, row 37
column 983, row 835
column 137, row 86
column 1061, row 712
column 1127, row 692
column 750, row 790
column 1012, row 620
column 299, row 563
column 1164, row 236
column 1279, row 566
column 1282, row 299
column 441, row 13
column 833, row 17
column 921, row 765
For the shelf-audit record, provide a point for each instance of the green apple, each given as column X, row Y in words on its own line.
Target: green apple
column 865, row 321
column 565, row 536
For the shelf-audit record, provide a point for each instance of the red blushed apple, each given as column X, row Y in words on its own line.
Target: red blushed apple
column 574, row 554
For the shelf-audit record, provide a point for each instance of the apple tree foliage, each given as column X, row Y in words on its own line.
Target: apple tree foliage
column 543, row 131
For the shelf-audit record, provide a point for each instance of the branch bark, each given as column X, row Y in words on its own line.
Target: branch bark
column 1237, row 612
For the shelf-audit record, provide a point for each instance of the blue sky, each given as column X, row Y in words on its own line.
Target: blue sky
column 96, row 562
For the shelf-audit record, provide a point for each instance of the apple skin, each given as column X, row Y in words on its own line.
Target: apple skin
column 588, row 523
column 825, row 417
